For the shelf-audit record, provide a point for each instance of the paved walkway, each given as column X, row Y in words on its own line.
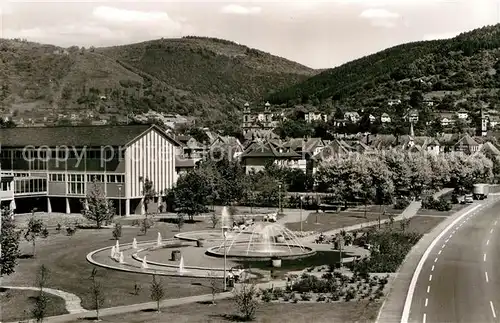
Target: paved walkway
column 71, row 300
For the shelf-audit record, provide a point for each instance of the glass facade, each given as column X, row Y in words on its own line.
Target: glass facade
column 30, row 185
column 76, row 184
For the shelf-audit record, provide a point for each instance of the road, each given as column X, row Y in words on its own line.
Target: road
column 457, row 279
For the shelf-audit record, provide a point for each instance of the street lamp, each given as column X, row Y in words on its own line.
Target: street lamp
column 301, row 214
column 224, row 233
column 279, row 198
column 120, row 199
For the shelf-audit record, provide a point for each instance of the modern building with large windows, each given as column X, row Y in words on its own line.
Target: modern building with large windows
column 53, row 168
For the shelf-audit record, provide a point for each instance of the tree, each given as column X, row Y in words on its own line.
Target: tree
column 9, row 242
column 214, row 218
column 117, row 231
column 180, row 221
column 214, row 285
column 245, row 297
column 149, row 193
column 157, row 292
column 39, row 311
column 191, row 194
column 36, row 229
column 97, row 292
column 97, row 207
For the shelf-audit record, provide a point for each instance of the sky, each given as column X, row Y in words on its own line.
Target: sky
column 316, row 33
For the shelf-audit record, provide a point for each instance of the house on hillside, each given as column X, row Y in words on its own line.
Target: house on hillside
column 412, row 116
column 463, row 114
column 313, row 116
column 266, row 120
column 191, row 148
column 352, row 116
column 385, row 118
column 447, row 119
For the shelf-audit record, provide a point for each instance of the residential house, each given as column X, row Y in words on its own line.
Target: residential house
column 260, row 154
column 313, row 116
column 489, row 149
column 467, row 145
column 493, row 121
column 230, row 147
column 54, row 167
column 393, row 102
column 352, row 116
column 463, row 114
column 385, row 118
column 447, row 119
column 372, row 118
column 191, row 148
column 412, row 116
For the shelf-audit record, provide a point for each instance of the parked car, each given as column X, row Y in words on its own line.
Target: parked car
column 469, row 198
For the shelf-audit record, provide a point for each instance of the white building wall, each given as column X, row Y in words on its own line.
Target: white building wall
column 152, row 156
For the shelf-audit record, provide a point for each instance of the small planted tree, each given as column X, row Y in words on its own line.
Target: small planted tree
column 157, row 292
column 36, row 229
column 9, row 240
column 180, row 221
column 214, row 219
column 117, row 231
column 245, row 298
column 97, row 292
column 97, row 207
column 149, row 195
column 214, row 285
column 40, row 308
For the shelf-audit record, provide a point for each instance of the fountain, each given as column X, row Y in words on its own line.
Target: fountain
column 113, row 252
column 117, row 247
column 158, row 240
column 262, row 242
column 134, row 244
column 225, row 218
column 181, row 269
column 144, row 263
column 121, row 258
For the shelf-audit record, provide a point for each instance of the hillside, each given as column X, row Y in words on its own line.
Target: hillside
column 465, row 66
column 202, row 77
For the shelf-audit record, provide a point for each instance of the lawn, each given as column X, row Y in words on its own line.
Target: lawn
column 266, row 313
column 65, row 257
column 420, row 223
column 455, row 208
column 332, row 220
column 17, row 304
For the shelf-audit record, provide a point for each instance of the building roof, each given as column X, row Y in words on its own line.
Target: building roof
column 184, row 162
column 76, row 136
column 488, row 147
column 466, row 140
column 266, row 149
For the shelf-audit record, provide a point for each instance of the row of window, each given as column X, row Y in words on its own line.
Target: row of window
column 61, row 177
column 34, row 185
column 44, row 154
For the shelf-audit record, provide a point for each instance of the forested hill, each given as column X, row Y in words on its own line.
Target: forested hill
column 197, row 76
column 467, row 62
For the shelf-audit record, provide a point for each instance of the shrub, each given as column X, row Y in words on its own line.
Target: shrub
column 305, row 296
column 71, row 231
column 58, row 227
column 321, row 298
column 350, row 294
column 278, row 292
column 401, row 204
column 245, row 298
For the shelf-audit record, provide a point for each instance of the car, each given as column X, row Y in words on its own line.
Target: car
column 469, row 198
column 271, row 217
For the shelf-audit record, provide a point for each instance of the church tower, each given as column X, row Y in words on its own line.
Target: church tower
column 411, row 141
column 247, row 120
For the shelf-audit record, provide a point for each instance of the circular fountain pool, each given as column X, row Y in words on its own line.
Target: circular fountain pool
column 261, row 242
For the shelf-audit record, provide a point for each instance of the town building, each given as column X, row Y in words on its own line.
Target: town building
column 53, row 167
column 385, row 118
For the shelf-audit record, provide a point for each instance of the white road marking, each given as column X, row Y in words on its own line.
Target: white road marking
column 492, row 310
column 486, row 276
column 416, row 273
column 436, row 260
column 495, row 223
column 424, row 319
column 447, row 240
column 444, row 245
column 432, row 269
column 440, row 252
column 484, row 257
column 428, row 289
column 426, row 302
column 488, row 242
column 430, row 277
column 491, row 231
